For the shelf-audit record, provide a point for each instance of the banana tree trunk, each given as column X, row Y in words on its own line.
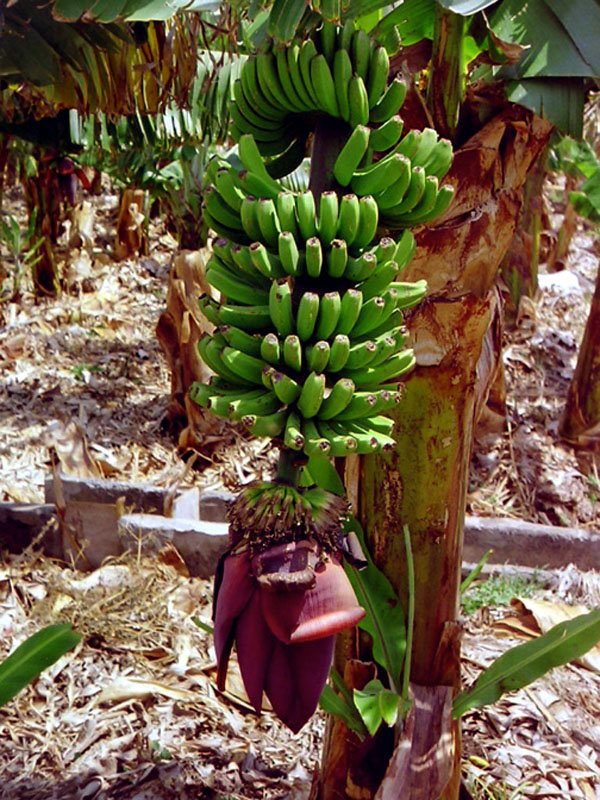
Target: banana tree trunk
column 423, row 483
column 580, row 424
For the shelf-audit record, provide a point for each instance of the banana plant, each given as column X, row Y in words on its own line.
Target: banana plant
column 298, row 92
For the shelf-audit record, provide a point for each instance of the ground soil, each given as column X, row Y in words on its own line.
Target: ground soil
column 134, row 711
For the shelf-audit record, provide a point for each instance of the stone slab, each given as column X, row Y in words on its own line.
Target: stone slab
column 214, row 504
column 530, row 545
column 20, row 523
column 200, row 543
column 139, row 496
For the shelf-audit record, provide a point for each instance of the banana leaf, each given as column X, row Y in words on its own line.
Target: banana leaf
column 33, row 656
column 523, row 664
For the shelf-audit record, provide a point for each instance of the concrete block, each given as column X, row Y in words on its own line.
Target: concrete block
column 90, row 533
column 187, row 504
column 214, row 504
column 20, row 523
column 140, row 496
column 530, row 545
column 200, row 543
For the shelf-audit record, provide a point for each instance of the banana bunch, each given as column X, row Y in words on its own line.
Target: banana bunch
column 309, row 340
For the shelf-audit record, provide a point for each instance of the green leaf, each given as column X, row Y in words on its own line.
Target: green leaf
column 376, row 704
column 413, row 18
column 525, row 663
column 33, row 656
column 337, row 706
column 552, row 50
column 284, row 19
column 385, row 618
column 559, row 100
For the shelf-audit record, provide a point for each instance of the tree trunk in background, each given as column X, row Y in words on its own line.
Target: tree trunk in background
column 580, row 424
column 423, row 483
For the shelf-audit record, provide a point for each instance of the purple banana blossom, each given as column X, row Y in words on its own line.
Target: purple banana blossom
column 283, row 608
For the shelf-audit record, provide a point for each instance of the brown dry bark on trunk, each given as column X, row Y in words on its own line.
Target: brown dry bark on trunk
column 580, row 424
column 423, row 483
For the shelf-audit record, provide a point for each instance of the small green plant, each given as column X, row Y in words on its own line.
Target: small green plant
column 498, row 590
column 159, row 753
column 21, row 245
column 487, row 791
column 81, row 372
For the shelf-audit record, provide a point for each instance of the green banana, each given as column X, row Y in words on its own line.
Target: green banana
column 378, row 177
column 366, row 442
column 268, row 425
column 439, row 160
column 220, row 211
column 308, row 51
column 241, row 340
column 268, row 221
column 338, row 399
column 360, row 406
column 390, row 103
column 288, row 253
column 254, row 95
column 209, row 350
column 260, row 404
column 409, row 143
column 351, row 154
column 350, row 311
column 360, row 268
column 328, row 36
column 348, row 218
column 286, row 82
column 286, row 388
column 367, row 223
column 361, row 354
column 266, row 263
column 394, row 194
column 270, row 349
column 360, row 49
column 413, row 193
column 314, row 443
column 249, row 219
column 257, row 186
column 261, row 135
column 328, row 217
column 395, row 366
column 311, row 396
column 306, row 213
column 386, row 250
column 427, row 202
column 317, row 355
column 428, row 140
column 268, row 80
column 292, row 56
column 337, row 258
column 228, row 188
column 243, row 365
column 341, row 444
column 234, row 289
column 329, row 313
column 313, row 257
column 280, row 307
column 267, row 377
column 370, row 316
column 405, row 250
column 200, row 393
column 289, row 159
column 342, row 74
column 409, row 294
column 323, row 85
column 285, row 204
column 306, row 316
column 358, row 101
column 387, row 135
column 387, row 344
column 292, row 436
column 209, row 309
column 253, row 162
column 379, row 67
column 248, row 318
column 345, row 34
column 383, row 275
column 441, row 205
column 252, row 112
column 222, row 249
column 292, row 352
column 379, row 424
column 340, row 349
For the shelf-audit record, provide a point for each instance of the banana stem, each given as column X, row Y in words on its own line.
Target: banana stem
column 288, row 466
column 328, row 139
